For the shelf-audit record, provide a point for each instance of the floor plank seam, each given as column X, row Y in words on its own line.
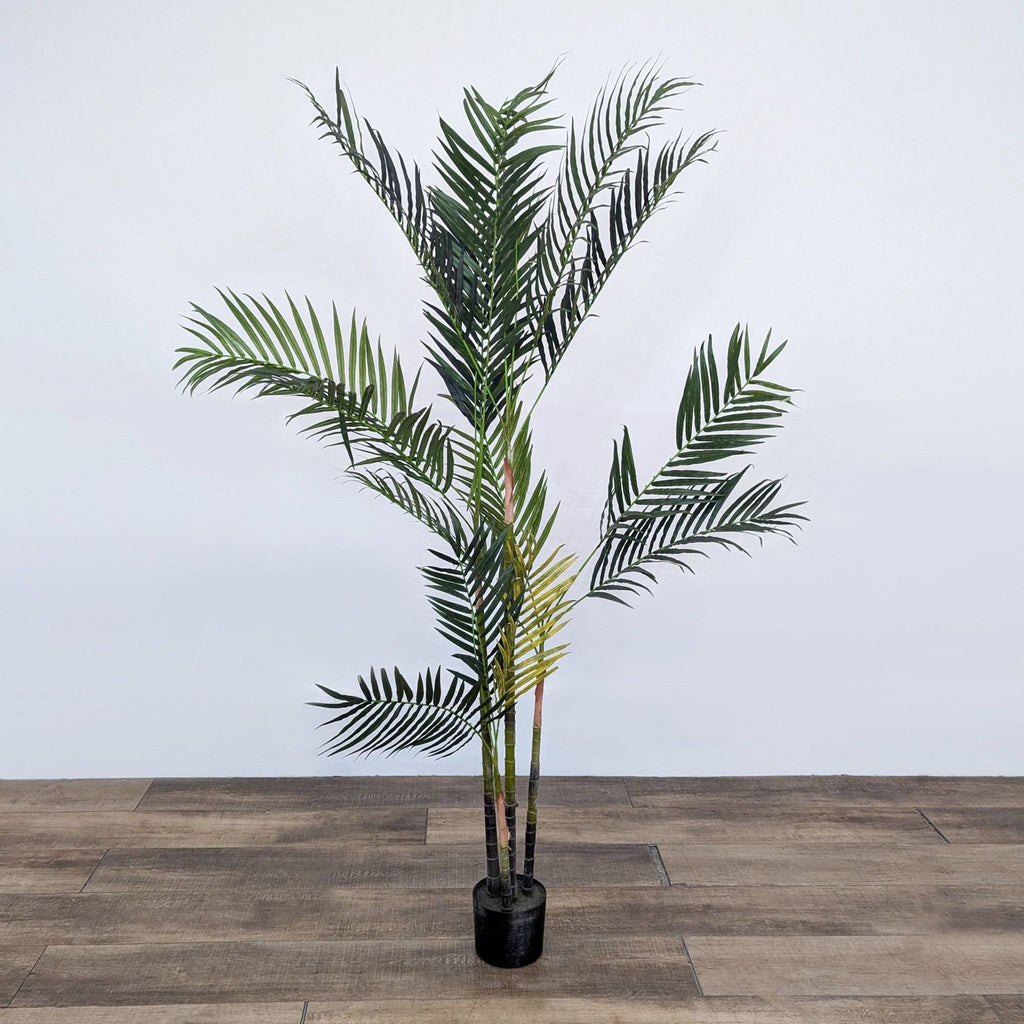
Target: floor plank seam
column 659, row 864
column 693, row 968
column 933, row 825
column 629, row 795
column 10, row 1002
column 94, row 870
column 994, row 1008
column 143, row 795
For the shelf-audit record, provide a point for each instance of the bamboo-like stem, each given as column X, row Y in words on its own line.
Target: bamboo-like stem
column 490, row 822
column 503, row 867
column 531, row 810
column 488, row 758
column 510, row 790
column 510, row 716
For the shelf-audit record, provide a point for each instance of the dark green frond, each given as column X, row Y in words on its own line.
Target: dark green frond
column 706, row 512
column 397, row 184
column 438, row 516
column 685, row 507
column 492, row 197
column 721, row 418
column 471, row 594
column 612, row 181
column 473, row 236
column 477, row 476
column 355, row 397
column 386, row 717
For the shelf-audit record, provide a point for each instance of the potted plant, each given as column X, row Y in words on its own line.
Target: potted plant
column 517, row 238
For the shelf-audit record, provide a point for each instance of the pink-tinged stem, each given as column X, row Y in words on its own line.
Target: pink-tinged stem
column 503, row 867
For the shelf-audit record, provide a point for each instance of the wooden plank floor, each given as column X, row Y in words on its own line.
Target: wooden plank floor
column 810, row 900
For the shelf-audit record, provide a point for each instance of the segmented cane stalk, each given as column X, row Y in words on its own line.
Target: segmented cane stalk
column 510, row 720
column 510, row 790
column 488, row 757
column 503, row 867
column 490, row 824
column 531, row 810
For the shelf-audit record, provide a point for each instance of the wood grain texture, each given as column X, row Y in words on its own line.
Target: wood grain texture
column 352, row 913
column 788, row 910
column 843, row 864
column 734, row 824
column 328, row 793
column 15, row 963
column 895, row 965
column 141, row 829
column 210, row 1013
column 352, row 864
column 71, row 794
column 978, row 824
column 793, row 791
column 236, row 915
column 1008, row 1009
column 804, row 900
column 46, row 870
column 624, row 967
column 689, row 1010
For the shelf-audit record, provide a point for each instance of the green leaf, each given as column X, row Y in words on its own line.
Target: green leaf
column 389, row 719
column 609, row 163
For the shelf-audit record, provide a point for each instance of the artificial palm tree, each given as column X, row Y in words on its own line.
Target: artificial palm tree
column 515, row 258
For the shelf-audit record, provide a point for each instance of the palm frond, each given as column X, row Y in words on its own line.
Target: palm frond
column 542, row 609
column 438, row 516
column 603, row 197
column 480, row 476
column 477, row 477
column 493, row 198
column 680, row 528
column 686, row 507
column 719, row 419
column 471, row 594
column 354, row 398
column 386, row 717
column 474, row 240
column 397, row 184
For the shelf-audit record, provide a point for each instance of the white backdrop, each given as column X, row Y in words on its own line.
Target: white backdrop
column 178, row 572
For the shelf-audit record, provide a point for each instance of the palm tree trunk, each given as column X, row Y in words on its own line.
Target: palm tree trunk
column 488, row 758
column 510, row 790
column 531, row 810
column 490, row 823
column 510, row 723
column 503, row 868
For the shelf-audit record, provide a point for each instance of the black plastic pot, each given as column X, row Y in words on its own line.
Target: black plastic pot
column 509, row 938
